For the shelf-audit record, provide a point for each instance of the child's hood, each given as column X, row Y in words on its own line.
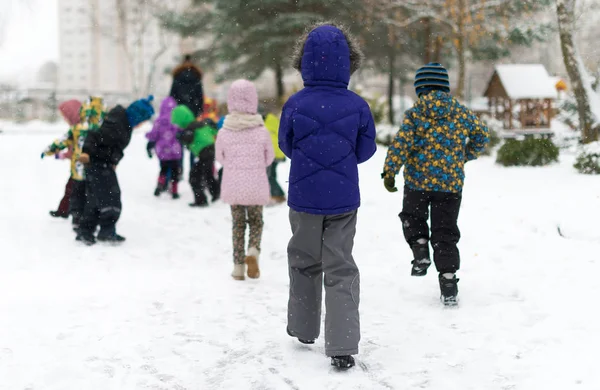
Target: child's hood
column 166, row 107
column 93, row 112
column 437, row 104
column 327, row 55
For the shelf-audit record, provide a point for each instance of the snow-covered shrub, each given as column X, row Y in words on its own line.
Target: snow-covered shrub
column 532, row 152
column 385, row 133
column 588, row 161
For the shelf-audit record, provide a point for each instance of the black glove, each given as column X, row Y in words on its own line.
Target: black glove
column 389, row 182
column 149, row 146
column 185, row 137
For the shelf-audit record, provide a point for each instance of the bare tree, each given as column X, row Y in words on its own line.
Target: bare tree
column 581, row 82
column 134, row 21
column 465, row 24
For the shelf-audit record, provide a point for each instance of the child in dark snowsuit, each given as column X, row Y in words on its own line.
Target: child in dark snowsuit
column 102, row 151
column 199, row 137
column 163, row 138
column 437, row 138
column 326, row 130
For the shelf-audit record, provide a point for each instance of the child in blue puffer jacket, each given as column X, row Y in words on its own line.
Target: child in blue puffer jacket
column 326, row 130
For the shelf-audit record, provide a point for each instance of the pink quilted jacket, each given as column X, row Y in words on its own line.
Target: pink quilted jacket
column 245, row 150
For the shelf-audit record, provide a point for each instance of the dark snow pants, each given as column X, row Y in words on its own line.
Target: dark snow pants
column 202, row 176
column 445, row 234
column 103, row 203
column 322, row 245
column 276, row 190
column 63, row 207
column 77, row 201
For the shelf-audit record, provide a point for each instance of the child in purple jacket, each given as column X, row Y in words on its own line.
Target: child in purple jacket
column 326, row 130
column 163, row 139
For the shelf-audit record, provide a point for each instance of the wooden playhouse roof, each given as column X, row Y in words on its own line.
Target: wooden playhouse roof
column 530, row 81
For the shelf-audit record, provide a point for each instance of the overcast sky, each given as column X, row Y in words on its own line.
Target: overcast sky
column 31, row 39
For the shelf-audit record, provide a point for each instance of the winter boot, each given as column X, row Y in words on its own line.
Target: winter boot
column 238, row 272
column 305, row 342
column 200, row 205
column 422, row 259
column 449, row 289
column 161, row 186
column 111, row 239
column 58, row 214
column 86, row 239
column 252, row 263
column 174, row 190
column 343, row 362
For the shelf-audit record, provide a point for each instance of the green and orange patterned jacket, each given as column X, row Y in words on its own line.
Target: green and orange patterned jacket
column 92, row 114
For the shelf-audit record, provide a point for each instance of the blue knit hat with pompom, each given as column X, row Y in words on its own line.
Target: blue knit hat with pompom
column 140, row 111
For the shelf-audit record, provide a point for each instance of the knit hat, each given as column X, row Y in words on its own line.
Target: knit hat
column 140, row 111
column 432, row 77
column 242, row 97
column 70, row 111
column 182, row 116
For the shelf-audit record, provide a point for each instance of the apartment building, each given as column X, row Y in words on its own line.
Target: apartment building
column 115, row 47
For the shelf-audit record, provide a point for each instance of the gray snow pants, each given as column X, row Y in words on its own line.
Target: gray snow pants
column 322, row 244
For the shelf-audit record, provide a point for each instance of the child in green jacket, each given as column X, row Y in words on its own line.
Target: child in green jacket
column 199, row 137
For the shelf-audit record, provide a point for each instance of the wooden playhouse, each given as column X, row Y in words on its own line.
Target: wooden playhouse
column 522, row 97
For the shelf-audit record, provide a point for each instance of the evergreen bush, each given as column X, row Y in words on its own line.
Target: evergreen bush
column 588, row 161
column 532, row 152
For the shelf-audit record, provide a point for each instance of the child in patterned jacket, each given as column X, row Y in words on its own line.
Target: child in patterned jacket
column 437, row 138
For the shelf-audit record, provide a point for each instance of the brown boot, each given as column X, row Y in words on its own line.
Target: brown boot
column 252, row 263
column 279, row 199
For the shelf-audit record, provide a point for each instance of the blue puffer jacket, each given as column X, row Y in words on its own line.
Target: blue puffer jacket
column 326, row 130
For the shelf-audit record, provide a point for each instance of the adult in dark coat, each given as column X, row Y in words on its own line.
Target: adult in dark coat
column 187, row 86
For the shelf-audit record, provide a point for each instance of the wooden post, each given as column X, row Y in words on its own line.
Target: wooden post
column 510, row 114
column 550, row 112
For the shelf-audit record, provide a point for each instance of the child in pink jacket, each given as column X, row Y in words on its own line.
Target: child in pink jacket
column 245, row 150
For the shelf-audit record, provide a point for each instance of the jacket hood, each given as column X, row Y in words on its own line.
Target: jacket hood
column 166, row 108
column 116, row 129
column 187, row 69
column 70, row 111
column 93, row 112
column 437, row 104
column 327, row 55
column 242, row 97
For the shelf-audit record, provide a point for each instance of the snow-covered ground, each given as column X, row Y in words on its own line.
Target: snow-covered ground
column 161, row 311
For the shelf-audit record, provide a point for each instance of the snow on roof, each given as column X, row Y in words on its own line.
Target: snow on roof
column 527, row 81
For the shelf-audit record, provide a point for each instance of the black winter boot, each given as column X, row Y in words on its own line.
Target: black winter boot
column 57, row 214
column 449, row 289
column 343, row 362
column 200, row 205
column 306, row 342
column 111, row 239
column 422, row 259
column 86, row 239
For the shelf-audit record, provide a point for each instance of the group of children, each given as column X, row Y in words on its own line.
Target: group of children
column 97, row 140
column 177, row 128
column 327, row 131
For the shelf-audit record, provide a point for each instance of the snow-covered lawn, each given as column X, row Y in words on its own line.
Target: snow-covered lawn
column 161, row 311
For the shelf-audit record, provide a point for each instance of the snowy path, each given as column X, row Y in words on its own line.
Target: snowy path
column 161, row 312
